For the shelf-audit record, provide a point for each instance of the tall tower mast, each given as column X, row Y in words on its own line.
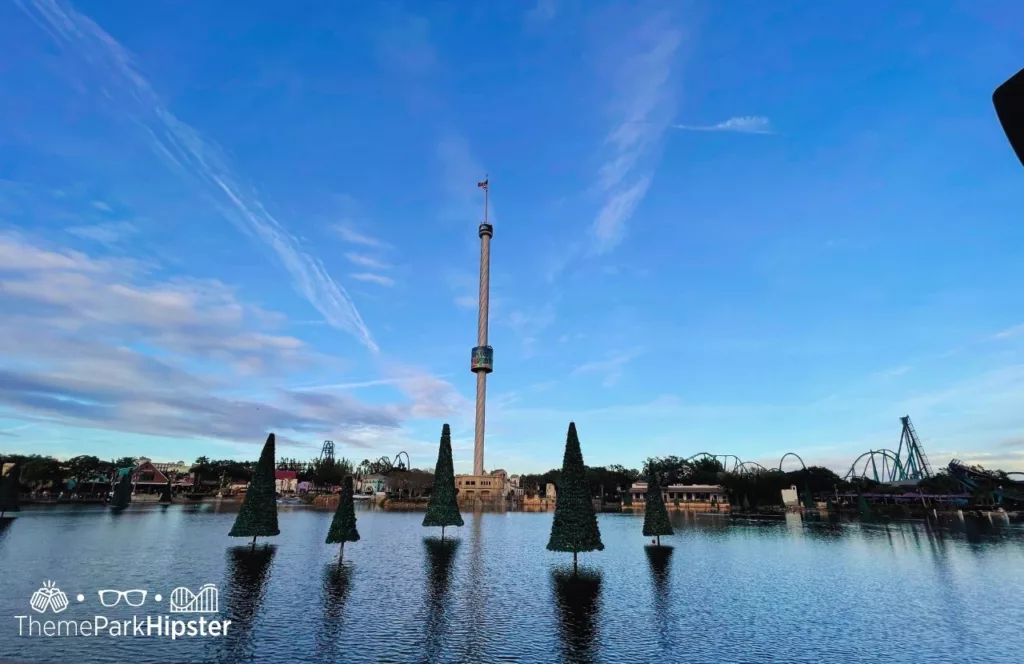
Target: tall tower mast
column 483, row 355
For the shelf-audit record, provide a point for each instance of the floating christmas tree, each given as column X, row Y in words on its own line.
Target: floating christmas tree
column 165, row 494
column 865, row 508
column 122, row 490
column 343, row 525
column 808, row 499
column 656, row 521
column 258, row 515
column 574, row 527
column 10, row 487
column 443, row 509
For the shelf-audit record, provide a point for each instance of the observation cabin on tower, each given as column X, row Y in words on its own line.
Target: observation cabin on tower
column 483, row 359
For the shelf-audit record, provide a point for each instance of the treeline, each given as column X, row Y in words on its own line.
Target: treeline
column 37, row 470
column 608, row 481
column 756, row 488
column 319, row 472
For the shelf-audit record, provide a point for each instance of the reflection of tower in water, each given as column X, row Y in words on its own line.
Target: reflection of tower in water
column 440, row 554
column 478, row 598
column 248, row 573
column 578, row 598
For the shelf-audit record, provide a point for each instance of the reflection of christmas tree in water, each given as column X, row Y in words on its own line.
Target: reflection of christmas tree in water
column 248, row 574
column 578, row 599
column 337, row 584
column 440, row 557
column 660, row 558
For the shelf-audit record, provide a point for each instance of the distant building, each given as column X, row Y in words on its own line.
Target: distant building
column 790, row 498
column 513, row 487
column 484, row 487
column 147, row 478
column 684, row 493
column 551, row 493
column 171, row 467
column 285, row 481
column 373, row 484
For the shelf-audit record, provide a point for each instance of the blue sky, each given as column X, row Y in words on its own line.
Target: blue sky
column 736, row 227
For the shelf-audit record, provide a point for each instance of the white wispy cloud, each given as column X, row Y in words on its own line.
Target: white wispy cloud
column 70, row 341
column 101, row 206
column 374, row 278
column 187, row 153
column 348, row 386
column 529, row 324
column 467, row 301
column 366, row 261
column 349, row 234
column 644, row 104
column 612, row 367
column 1009, row 332
column 104, row 233
column 747, row 124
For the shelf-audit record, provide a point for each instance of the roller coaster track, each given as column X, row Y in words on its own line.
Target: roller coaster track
column 908, row 463
column 975, row 478
column 731, row 463
column 385, row 465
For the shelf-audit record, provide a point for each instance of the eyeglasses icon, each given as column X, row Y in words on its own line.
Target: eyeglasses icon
column 109, row 598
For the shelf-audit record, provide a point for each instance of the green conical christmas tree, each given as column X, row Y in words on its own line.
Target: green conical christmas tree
column 656, row 521
column 343, row 525
column 122, row 490
column 865, row 508
column 10, row 486
column 443, row 509
column 809, row 499
column 574, row 526
column 165, row 494
column 258, row 515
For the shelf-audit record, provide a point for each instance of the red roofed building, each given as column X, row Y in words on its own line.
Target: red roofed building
column 286, row 481
column 147, row 478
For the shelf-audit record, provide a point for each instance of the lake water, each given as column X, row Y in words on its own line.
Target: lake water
column 785, row 591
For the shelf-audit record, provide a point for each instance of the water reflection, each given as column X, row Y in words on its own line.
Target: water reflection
column 411, row 601
column 337, row 584
column 578, row 597
column 440, row 556
column 660, row 559
column 5, row 523
column 248, row 574
column 477, row 600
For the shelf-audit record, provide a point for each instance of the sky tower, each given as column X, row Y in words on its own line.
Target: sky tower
column 483, row 355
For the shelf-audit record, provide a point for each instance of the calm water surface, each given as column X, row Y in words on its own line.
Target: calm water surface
column 787, row 591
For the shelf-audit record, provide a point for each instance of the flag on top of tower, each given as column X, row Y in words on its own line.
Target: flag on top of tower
column 483, row 185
